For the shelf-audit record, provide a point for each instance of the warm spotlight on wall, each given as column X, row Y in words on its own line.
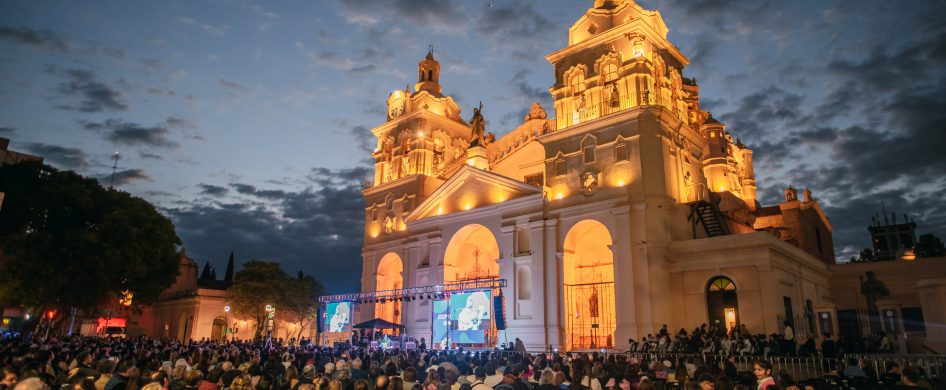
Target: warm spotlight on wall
column 558, row 196
column 467, row 206
column 620, row 183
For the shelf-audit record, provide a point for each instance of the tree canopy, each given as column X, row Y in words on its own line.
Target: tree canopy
column 262, row 283
column 65, row 241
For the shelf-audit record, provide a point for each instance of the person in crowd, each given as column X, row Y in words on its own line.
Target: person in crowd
column 763, row 373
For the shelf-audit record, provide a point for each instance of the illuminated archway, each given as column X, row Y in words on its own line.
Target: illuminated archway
column 588, row 278
column 471, row 255
column 722, row 303
column 218, row 330
column 389, row 277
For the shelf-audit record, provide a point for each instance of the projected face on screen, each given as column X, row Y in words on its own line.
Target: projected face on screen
column 337, row 316
column 471, row 311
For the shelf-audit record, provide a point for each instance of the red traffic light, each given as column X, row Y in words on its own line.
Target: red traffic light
column 50, row 314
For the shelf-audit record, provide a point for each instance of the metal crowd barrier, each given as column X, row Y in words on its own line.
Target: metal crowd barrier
column 801, row 368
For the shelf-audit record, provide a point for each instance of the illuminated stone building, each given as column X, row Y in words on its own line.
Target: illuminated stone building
column 630, row 209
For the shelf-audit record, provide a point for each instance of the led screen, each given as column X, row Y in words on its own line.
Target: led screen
column 470, row 312
column 337, row 316
column 441, row 323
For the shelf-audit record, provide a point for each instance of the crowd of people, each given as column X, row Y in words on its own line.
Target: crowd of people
column 144, row 363
column 709, row 339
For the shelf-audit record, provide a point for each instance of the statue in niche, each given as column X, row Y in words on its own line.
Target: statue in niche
column 589, row 183
column 687, row 186
column 478, row 127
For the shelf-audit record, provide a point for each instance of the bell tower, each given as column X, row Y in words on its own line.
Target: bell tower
column 428, row 75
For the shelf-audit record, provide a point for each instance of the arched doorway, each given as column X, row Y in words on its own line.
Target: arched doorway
column 588, row 268
column 217, row 331
column 722, row 304
column 471, row 255
column 389, row 277
column 182, row 327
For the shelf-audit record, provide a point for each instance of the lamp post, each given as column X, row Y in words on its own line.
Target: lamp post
column 226, row 322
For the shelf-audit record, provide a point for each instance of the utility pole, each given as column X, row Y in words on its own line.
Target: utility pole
column 116, row 156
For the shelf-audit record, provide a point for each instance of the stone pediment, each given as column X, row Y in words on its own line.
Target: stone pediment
column 471, row 188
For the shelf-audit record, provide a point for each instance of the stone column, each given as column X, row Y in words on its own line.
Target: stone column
column 933, row 303
column 892, row 323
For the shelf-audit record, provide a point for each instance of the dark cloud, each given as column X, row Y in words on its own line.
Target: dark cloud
column 212, row 190
column 439, row 16
column 316, row 230
column 761, row 111
column 133, row 134
column 124, row 177
column 523, row 95
column 519, row 29
column 39, row 38
column 4, row 130
column 65, row 157
column 94, row 95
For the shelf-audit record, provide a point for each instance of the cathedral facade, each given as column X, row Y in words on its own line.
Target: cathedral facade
column 623, row 208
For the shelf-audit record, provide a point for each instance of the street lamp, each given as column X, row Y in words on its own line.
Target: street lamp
column 226, row 322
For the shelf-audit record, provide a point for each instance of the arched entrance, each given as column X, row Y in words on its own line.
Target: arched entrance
column 389, row 277
column 588, row 268
column 217, row 331
column 471, row 255
column 182, row 327
column 722, row 304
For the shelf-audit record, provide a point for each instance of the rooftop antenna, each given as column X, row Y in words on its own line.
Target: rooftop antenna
column 883, row 207
column 116, row 156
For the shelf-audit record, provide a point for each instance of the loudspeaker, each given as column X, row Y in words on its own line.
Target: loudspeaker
column 499, row 311
column 319, row 319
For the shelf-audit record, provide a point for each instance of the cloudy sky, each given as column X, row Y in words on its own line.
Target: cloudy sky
column 247, row 123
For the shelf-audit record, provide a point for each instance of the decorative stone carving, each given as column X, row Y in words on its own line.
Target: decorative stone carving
column 536, row 112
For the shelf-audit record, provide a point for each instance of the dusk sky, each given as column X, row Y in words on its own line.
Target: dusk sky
column 248, row 123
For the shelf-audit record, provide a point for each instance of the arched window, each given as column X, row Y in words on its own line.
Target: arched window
column 721, row 283
column 588, row 150
column 610, row 72
column 577, row 83
column 560, row 168
column 620, row 150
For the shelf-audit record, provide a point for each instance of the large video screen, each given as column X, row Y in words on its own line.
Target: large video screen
column 441, row 323
column 337, row 316
column 471, row 312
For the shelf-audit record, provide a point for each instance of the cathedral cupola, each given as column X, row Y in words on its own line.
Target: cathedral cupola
column 428, row 75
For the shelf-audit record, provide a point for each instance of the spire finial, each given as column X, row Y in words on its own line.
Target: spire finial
column 430, row 51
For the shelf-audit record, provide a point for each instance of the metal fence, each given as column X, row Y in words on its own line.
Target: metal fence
column 801, row 368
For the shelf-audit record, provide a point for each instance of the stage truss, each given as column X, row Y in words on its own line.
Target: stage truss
column 414, row 293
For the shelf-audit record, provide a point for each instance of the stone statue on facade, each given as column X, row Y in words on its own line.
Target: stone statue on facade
column 536, row 112
column 478, row 126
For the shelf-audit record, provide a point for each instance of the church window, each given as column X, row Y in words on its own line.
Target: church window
column 721, row 283
column 577, row 84
column 374, row 214
column 560, row 168
column 610, row 72
column 535, row 179
column 589, row 154
column 430, row 75
column 620, row 151
column 588, row 147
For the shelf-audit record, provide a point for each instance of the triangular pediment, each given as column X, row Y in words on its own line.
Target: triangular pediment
column 468, row 189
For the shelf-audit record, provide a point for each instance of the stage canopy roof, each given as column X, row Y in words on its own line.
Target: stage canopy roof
column 377, row 323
